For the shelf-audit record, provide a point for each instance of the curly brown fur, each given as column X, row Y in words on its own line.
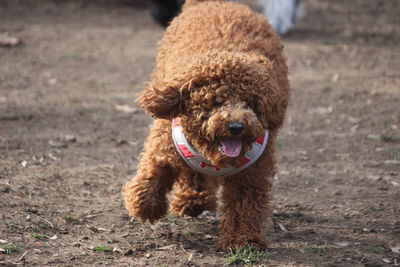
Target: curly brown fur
column 218, row 63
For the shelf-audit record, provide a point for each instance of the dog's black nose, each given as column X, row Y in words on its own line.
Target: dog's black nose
column 236, row 128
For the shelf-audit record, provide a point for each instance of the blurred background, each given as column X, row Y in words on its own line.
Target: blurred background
column 71, row 133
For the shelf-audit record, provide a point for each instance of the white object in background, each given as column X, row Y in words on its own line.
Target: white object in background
column 282, row 14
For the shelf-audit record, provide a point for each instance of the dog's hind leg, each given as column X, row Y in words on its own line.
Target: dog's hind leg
column 194, row 193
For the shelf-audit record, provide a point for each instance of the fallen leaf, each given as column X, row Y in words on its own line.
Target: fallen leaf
column 167, row 247
column 52, row 81
column 125, row 108
column 70, row 138
column 395, row 249
column 125, row 235
column 335, row 77
column 57, row 144
column 6, row 40
column 320, row 111
column 282, row 227
column 117, row 249
column 386, row 260
column 53, row 157
column 342, row 244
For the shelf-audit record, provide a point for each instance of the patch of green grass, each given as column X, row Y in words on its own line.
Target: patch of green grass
column 193, row 232
column 40, row 227
column 248, row 256
column 8, row 224
column 9, row 248
column 38, row 236
column 344, row 96
column 377, row 249
column 328, row 42
column 5, row 172
column 114, row 97
column 173, row 219
column 72, row 55
column 280, row 143
column 387, row 138
column 318, row 249
column 101, row 248
column 353, row 251
column 326, row 89
column 354, row 214
column 395, row 154
column 68, row 217
column 386, row 124
column 38, row 175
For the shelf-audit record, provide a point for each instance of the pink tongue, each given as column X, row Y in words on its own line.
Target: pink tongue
column 232, row 147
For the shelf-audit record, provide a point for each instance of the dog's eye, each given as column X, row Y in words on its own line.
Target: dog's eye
column 251, row 105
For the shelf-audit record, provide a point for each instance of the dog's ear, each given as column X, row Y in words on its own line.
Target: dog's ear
column 162, row 99
column 271, row 107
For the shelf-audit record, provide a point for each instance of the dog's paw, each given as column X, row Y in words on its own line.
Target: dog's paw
column 148, row 210
column 190, row 210
column 193, row 205
column 146, row 207
column 235, row 242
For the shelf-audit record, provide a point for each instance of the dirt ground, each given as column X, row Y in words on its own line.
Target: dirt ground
column 70, row 134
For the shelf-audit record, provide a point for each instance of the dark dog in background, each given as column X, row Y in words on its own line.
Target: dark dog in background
column 163, row 11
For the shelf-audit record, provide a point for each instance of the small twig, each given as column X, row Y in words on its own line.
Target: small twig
column 184, row 248
column 282, row 227
column 340, row 227
column 369, row 197
column 7, row 263
column 48, row 222
column 22, row 256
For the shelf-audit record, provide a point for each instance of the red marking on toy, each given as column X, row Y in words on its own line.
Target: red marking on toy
column 260, row 139
column 177, row 121
column 244, row 161
column 203, row 165
column 185, row 151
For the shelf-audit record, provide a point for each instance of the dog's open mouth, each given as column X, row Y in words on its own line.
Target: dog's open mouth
column 231, row 147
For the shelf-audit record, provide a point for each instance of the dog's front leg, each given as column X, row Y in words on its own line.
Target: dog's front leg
column 244, row 211
column 145, row 194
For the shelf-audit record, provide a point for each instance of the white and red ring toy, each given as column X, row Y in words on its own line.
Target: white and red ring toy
column 202, row 165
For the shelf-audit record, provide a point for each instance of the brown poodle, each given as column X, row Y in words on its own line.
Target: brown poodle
column 218, row 95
